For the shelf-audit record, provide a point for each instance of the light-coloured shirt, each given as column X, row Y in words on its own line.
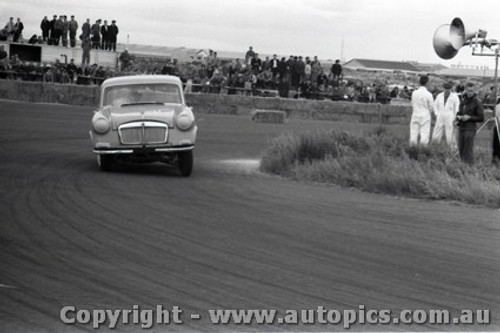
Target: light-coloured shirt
column 422, row 103
column 450, row 108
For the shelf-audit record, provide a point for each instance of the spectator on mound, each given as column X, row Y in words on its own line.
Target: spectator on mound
column 249, row 55
column 95, row 31
column 322, row 81
column 420, row 124
column 394, row 92
column 284, row 78
column 52, row 31
column 45, row 27
column 307, row 69
column 33, row 40
column 40, row 40
column 266, row 64
column 86, row 28
column 256, row 64
column 59, row 29
column 86, row 46
column 296, row 73
column 237, row 66
column 72, row 29
column 273, row 65
column 64, row 31
column 316, row 69
column 336, row 70
column 18, row 30
column 112, row 35
column 105, row 36
column 9, row 29
column 48, row 75
column 125, row 60
column 71, row 68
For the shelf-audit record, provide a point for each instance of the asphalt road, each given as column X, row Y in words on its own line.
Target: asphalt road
column 228, row 237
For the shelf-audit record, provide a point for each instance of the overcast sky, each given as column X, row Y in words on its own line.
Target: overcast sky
column 375, row 29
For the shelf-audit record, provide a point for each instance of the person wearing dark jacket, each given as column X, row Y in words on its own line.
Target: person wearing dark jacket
column 105, row 45
column 470, row 112
column 18, row 30
column 95, row 31
column 52, row 30
column 72, row 27
column 85, row 30
column 112, row 33
column 45, row 26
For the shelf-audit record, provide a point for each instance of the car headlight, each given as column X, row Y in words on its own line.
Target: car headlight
column 185, row 120
column 101, row 124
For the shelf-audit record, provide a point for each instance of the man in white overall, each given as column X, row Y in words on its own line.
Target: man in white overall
column 422, row 104
column 445, row 108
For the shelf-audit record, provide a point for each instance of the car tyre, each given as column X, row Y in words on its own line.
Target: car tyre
column 185, row 159
column 104, row 162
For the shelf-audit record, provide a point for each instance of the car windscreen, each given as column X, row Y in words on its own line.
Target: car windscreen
column 154, row 93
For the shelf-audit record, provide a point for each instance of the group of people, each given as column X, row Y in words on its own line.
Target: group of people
column 12, row 31
column 215, row 75
column 15, row 69
column 63, row 31
column 456, row 112
column 98, row 36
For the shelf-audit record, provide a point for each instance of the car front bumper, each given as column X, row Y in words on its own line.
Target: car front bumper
column 141, row 150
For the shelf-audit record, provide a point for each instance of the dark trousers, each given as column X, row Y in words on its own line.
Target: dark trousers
column 466, row 145
column 112, row 43
column 72, row 38
column 496, row 146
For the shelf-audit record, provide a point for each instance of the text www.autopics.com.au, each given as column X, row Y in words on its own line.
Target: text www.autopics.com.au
column 148, row 317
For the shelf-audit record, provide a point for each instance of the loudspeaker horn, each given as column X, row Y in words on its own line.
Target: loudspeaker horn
column 449, row 38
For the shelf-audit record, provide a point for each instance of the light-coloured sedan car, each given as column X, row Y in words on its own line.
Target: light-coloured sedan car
column 144, row 119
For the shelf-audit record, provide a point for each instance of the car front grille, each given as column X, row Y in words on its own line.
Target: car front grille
column 143, row 133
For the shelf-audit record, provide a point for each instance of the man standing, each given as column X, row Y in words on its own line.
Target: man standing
column 105, row 36
column 125, row 60
column 18, row 30
column 72, row 27
column 112, row 33
column 422, row 104
column 85, row 30
column 336, row 71
column 446, row 108
column 249, row 55
column 95, row 31
column 64, row 32
column 45, row 26
column 470, row 113
column 86, row 46
column 58, row 30
column 52, row 30
column 9, row 29
column 274, row 63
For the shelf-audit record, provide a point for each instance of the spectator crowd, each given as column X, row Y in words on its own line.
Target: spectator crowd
column 295, row 76
column 64, row 32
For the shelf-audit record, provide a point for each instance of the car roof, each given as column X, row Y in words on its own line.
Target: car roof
column 136, row 79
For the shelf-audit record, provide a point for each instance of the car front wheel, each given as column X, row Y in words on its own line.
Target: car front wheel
column 104, row 162
column 185, row 162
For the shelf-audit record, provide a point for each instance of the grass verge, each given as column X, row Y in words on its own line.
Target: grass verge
column 379, row 162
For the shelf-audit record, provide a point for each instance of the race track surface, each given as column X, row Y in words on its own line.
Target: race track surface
column 228, row 237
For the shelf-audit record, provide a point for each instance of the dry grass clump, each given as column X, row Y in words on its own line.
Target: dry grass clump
column 380, row 162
